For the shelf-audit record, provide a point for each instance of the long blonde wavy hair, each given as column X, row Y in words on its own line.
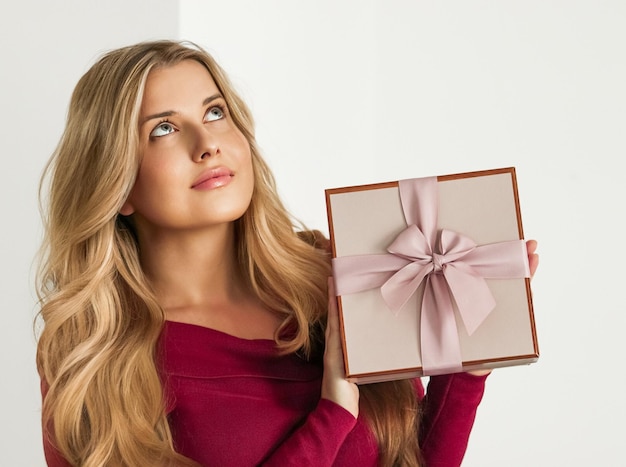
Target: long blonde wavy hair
column 98, row 351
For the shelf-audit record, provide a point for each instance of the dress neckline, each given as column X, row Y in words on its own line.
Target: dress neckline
column 198, row 328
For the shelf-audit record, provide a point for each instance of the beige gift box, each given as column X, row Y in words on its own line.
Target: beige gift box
column 381, row 345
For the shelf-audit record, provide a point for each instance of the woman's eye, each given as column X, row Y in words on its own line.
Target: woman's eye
column 214, row 113
column 163, row 129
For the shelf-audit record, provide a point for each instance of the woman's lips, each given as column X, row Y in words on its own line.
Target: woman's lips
column 213, row 178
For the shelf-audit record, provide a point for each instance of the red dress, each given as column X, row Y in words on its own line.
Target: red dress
column 235, row 402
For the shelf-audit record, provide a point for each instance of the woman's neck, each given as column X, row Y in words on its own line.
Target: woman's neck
column 187, row 268
column 197, row 281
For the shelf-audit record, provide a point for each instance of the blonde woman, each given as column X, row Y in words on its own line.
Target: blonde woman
column 186, row 322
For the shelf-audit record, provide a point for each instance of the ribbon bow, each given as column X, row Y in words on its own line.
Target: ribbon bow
column 451, row 266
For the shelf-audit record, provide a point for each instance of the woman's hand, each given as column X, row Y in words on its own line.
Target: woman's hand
column 335, row 387
column 533, row 262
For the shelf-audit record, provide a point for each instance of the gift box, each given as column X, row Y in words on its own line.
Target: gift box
column 431, row 276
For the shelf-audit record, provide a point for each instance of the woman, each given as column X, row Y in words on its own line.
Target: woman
column 185, row 319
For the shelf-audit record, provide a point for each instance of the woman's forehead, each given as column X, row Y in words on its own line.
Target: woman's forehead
column 168, row 87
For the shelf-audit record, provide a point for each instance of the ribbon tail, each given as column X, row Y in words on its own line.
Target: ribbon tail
column 440, row 346
column 472, row 295
column 399, row 288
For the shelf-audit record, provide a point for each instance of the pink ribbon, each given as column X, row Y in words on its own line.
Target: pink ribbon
column 452, row 267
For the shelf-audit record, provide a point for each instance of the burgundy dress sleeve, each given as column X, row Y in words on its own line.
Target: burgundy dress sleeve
column 449, row 410
column 318, row 440
column 53, row 458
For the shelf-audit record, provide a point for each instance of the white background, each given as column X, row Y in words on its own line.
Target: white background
column 46, row 47
column 350, row 92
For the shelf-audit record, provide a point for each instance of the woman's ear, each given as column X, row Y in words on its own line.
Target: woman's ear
column 127, row 208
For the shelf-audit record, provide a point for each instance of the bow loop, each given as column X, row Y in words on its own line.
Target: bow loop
column 454, row 245
column 411, row 244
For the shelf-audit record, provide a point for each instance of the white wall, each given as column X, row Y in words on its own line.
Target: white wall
column 356, row 91
column 46, row 47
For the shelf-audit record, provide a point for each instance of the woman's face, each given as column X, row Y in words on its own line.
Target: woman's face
column 196, row 166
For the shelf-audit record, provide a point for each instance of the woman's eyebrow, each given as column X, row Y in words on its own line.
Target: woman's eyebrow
column 210, row 99
column 169, row 113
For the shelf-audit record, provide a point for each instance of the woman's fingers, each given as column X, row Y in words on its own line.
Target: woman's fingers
column 333, row 313
column 533, row 258
column 335, row 387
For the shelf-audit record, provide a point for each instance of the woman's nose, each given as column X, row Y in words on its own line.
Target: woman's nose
column 206, row 146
